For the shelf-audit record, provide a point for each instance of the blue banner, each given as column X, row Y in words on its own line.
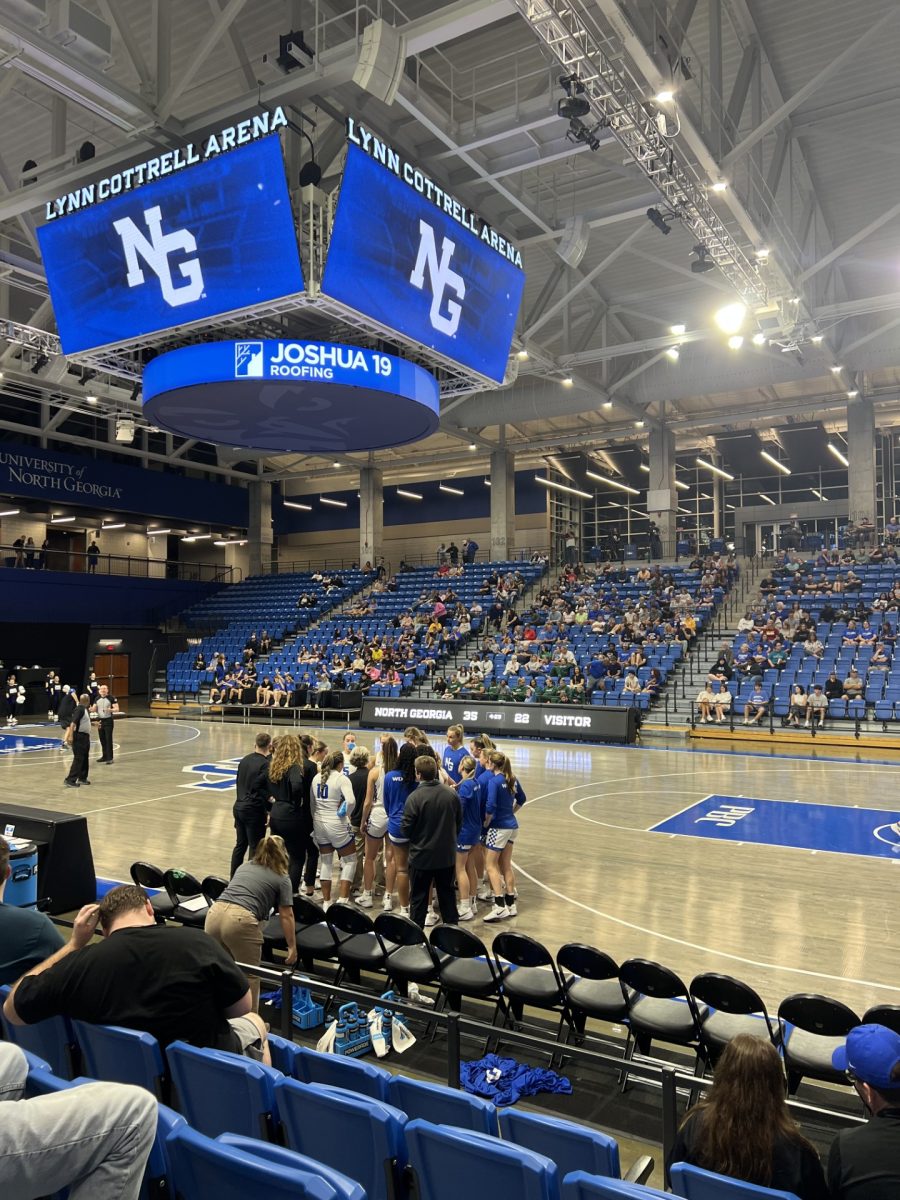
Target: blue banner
column 836, row 828
column 415, row 267
column 64, row 479
column 215, row 238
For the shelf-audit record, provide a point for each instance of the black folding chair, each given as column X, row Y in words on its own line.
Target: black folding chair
column 183, row 886
column 359, row 948
column 468, row 970
column 820, row 1025
column 146, row 875
column 413, row 959
column 733, row 1007
column 660, row 1008
column 883, row 1014
column 536, row 981
column 593, row 988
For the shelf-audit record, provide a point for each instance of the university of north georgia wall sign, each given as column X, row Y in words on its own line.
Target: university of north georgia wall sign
column 291, row 396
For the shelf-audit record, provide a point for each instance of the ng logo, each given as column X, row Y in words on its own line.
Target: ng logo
column 442, row 279
column 156, row 252
column 248, row 360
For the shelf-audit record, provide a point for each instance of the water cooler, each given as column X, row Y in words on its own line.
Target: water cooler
column 21, row 888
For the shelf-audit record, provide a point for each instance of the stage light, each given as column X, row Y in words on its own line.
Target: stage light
column 703, row 262
column 775, row 462
column 607, row 404
column 763, row 253
column 655, row 217
column 842, row 459
column 730, row 317
column 575, row 104
column 702, row 462
column 39, row 363
column 677, row 330
column 522, row 355
column 664, row 97
column 567, row 381
column 28, row 165
column 91, row 399
column 720, row 186
column 835, row 370
column 735, row 342
column 639, row 424
column 816, row 339
column 673, row 353
column 758, row 339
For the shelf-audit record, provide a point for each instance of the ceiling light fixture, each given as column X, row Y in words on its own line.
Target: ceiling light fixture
column 297, row 504
column 842, row 458
column 607, row 404
column 835, row 369
column 673, row 353
column 560, row 487
column 735, row 341
column 682, row 487
column 623, row 487
column 702, row 462
column 116, row 525
column 852, row 394
column 522, row 355
column 677, row 330
column 567, row 381
column 770, row 458
column 720, row 185
column 767, row 499
column 454, row 491
column 758, row 339
column 666, row 96
column 763, row 253
column 408, row 495
column 91, row 399
column 473, row 446
column 10, row 512
column 820, row 495
column 61, row 520
column 332, row 503
column 157, row 532
column 575, row 104
column 703, row 262
column 655, row 217
column 730, row 317
column 816, row 339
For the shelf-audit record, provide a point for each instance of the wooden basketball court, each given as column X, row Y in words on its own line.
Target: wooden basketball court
column 783, row 917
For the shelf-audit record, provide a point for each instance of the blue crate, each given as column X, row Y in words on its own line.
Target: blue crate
column 352, row 1037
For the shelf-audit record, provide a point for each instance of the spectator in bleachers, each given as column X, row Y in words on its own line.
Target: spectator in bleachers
column 92, row 1141
column 817, row 707
column 853, row 685
column 705, row 701
column 864, row 1161
column 798, row 707
column 170, row 981
column 722, row 699
column 743, row 1127
column 757, row 704
column 833, row 688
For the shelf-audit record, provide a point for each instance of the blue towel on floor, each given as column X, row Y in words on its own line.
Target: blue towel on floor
column 504, row 1080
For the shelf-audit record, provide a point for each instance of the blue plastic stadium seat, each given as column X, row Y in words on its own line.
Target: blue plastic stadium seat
column 693, row 1183
column 442, row 1105
column 349, row 1073
column 220, row 1092
column 121, row 1056
column 205, row 1168
column 572, row 1147
column 52, row 1040
column 582, row 1186
column 447, row 1162
column 345, row 1130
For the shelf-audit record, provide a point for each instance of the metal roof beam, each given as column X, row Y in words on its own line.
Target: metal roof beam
column 199, row 55
column 850, row 242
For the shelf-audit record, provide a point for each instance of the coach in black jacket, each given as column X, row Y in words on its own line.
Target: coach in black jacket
column 432, row 819
column 251, row 808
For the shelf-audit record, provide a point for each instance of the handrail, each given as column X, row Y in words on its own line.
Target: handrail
column 667, row 1076
column 33, row 558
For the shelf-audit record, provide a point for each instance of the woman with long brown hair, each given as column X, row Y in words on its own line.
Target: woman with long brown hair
column 290, row 778
column 743, row 1128
column 236, row 919
column 375, row 823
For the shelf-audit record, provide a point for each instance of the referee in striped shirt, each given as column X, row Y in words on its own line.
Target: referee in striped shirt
column 104, row 709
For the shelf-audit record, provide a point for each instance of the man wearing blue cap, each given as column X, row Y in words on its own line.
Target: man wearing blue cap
column 864, row 1162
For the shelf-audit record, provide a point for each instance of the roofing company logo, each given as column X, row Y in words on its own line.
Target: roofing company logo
column 156, row 251
column 442, row 279
column 248, row 360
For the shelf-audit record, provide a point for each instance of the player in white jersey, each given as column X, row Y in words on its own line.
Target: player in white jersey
column 333, row 801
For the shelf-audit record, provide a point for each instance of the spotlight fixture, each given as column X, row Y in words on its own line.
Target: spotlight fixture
column 136, row 391
column 673, row 353
column 763, row 253
column 567, row 381
column 125, row 429
column 575, row 104
column 816, row 339
column 607, row 404
column 703, row 262
column 522, row 355
column 473, row 446
column 579, row 134
column 735, row 342
column 730, row 317
column 720, row 186
column 835, row 370
column 91, row 399
column 310, row 173
column 666, row 96
column 655, row 217
column 86, row 376
column 28, row 165
column 677, row 330
column 39, row 363
column 758, row 339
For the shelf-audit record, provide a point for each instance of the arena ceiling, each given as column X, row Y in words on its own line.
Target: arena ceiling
column 792, row 107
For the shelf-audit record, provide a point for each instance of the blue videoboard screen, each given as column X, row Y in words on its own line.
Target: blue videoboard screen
column 415, row 267
column 215, row 238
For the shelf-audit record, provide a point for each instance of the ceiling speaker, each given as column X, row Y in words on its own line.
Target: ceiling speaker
column 382, row 58
column 574, row 241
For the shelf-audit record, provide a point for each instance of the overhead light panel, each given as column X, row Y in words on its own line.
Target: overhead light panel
column 677, row 330
column 62, row 520
column 575, row 104
column 157, row 532
column 623, row 487
column 408, row 495
column 735, row 341
column 10, row 512
column 767, row 499
column 297, row 504
column 560, row 487
column 103, row 528
column 702, row 462
column 673, row 353
column 770, row 458
column 332, row 503
column 758, row 339
column 730, row 317
column 454, row 491
column 842, row 458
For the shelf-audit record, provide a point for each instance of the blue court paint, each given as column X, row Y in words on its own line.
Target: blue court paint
column 217, row 776
column 836, row 828
column 22, row 743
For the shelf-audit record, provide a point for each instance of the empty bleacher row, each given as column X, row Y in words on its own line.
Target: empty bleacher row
column 853, row 630
column 261, row 602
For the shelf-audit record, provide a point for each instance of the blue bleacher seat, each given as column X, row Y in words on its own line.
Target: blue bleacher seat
column 345, row 1130
column 220, row 1092
column 693, row 1183
column 52, row 1040
column 442, row 1105
column 582, row 1186
column 121, row 1056
column 448, row 1161
column 572, row 1147
column 312, row 1067
column 345, row 1186
column 205, row 1168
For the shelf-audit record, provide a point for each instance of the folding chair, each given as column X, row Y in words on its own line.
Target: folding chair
column 820, row 1025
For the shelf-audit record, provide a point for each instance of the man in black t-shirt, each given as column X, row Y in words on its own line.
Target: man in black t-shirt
column 173, row 982
column 864, row 1162
column 251, row 808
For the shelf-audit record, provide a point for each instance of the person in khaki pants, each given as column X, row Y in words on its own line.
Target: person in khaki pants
column 236, row 919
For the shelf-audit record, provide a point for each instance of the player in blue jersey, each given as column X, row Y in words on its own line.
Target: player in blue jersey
column 397, row 786
column 504, row 799
column 469, row 837
column 454, row 753
column 480, row 747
